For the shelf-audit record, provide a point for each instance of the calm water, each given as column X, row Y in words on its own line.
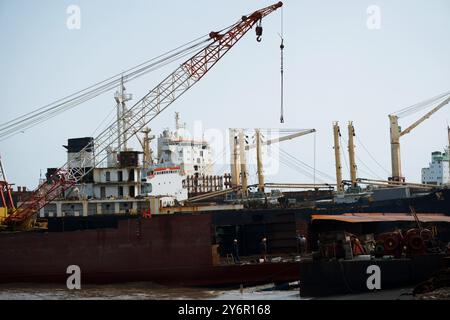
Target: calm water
column 137, row 291
column 146, row 291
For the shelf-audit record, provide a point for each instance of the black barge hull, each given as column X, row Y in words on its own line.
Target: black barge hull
column 326, row 278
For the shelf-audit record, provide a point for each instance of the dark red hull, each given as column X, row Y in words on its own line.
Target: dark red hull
column 226, row 275
column 173, row 250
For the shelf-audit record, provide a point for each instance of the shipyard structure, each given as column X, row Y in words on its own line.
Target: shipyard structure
column 123, row 214
column 126, row 184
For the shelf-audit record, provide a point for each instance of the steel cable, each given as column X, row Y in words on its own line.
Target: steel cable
column 44, row 113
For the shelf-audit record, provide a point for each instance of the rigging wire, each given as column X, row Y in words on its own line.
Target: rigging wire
column 296, row 168
column 119, row 75
column 343, row 153
column 288, row 161
column 252, row 174
column 421, row 105
column 31, row 119
column 320, row 173
column 368, row 168
column 282, row 68
column 297, row 165
column 19, row 123
column 31, row 116
column 104, row 121
column 301, row 170
column 359, row 160
column 302, row 164
column 219, row 157
column 371, row 156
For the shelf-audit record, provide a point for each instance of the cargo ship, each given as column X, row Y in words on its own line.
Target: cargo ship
column 171, row 250
column 174, row 222
column 122, row 214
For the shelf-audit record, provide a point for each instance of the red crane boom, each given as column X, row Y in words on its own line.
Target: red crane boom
column 144, row 111
column 6, row 200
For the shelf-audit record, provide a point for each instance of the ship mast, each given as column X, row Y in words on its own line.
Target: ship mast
column 259, row 161
column 243, row 161
column 171, row 88
column 234, row 161
column 337, row 156
column 351, row 152
column 121, row 98
column 146, row 148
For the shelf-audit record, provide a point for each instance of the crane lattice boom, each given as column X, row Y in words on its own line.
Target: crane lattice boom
column 144, row 111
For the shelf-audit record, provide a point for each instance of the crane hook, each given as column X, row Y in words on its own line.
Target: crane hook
column 259, row 31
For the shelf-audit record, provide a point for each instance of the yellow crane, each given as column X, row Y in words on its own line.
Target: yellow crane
column 213, row 47
column 337, row 155
column 397, row 132
column 238, row 163
column 6, row 201
column 258, row 145
column 351, row 153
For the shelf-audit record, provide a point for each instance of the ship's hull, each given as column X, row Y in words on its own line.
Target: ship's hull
column 324, row 278
column 176, row 249
column 172, row 249
column 212, row 276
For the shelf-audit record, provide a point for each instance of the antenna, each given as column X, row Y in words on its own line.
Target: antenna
column 123, row 115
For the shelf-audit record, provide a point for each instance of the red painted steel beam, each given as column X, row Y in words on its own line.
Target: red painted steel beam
column 151, row 105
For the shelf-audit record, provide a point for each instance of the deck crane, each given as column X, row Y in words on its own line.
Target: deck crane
column 258, row 145
column 397, row 132
column 337, row 156
column 6, row 200
column 139, row 115
column 301, row 132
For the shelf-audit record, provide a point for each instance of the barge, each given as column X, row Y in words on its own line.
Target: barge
column 373, row 252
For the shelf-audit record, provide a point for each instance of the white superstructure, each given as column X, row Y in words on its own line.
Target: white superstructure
column 165, row 181
column 438, row 173
column 176, row 149
column 125, row 180
column 178, row 157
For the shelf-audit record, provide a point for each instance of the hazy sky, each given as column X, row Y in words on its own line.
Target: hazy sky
column 336, row 68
